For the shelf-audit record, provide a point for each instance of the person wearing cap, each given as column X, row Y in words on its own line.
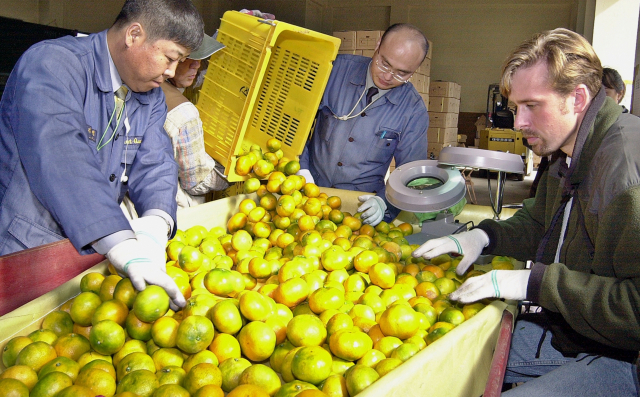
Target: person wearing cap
column 368, row 116
column 198, row 173
column 81, row 126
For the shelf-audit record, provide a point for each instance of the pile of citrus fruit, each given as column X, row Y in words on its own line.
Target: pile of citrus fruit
column 293, row 298
column 261, row 163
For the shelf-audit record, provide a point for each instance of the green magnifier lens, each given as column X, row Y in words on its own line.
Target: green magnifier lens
column 425, row 183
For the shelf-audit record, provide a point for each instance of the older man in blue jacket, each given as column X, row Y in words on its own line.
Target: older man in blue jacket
column 81, row 125
column 369, row 115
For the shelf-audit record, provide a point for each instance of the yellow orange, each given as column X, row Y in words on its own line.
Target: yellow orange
column 201, row 375
column 225, row 346
column 22, row 373
column 257, row 341
column 108, row 286
column 72, row 346
column 35, row 355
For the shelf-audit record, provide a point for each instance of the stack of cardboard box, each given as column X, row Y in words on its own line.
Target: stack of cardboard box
column 361, row 42
column 421, row 79
column 444, row 107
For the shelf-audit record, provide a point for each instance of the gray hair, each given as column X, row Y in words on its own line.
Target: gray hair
column 175, row 20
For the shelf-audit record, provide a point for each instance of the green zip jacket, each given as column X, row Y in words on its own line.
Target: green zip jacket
column 592, row 299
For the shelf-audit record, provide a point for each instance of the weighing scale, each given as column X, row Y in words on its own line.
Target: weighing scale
column 437, row 185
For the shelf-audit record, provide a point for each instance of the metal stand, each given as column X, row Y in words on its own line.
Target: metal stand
column 496, row 203
column 443, row 225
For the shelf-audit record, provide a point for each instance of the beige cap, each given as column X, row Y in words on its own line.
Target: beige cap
column 208, row 47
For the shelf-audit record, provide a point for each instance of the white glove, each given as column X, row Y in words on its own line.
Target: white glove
column 258, row 13
column 306, row 174
column 469, row 244
column 372, row 209
column 134, row 259
column 507, row 284
column 152, row 230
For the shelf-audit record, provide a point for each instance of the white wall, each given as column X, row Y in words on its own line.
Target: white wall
column 614, row 38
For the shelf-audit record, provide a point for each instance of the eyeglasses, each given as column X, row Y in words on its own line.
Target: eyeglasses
column 402, row 77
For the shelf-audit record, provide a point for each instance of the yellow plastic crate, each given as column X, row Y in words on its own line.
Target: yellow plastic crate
column 266, row 83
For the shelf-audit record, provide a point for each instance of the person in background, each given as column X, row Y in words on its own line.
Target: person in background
column 614, row 86
column 581, row 230
column 369, row 115
column 198, row 173
column 82, row 125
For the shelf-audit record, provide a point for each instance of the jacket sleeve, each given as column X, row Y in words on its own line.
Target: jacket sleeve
column 304, row 157
column 50, row 125
column 520, row 235
column 603, row 307
column 153, row 181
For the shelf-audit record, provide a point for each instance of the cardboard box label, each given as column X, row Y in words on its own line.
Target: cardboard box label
column 417, row 81
column 368, row 53
column 445, row 89
column 441, row 135
column 443, row 120
column 444, row 104
column 425, row 99
column 425, row 67
column 420, row 84
column 367, row 39
column 347, row 40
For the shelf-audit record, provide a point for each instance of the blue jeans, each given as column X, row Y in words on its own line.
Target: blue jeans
column 552, row 374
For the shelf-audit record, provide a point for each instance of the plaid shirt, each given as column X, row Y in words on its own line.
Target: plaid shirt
column 196, row 172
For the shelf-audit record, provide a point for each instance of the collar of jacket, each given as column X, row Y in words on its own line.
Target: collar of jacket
column 102, row 72
column 359, row 77
column 599, row 118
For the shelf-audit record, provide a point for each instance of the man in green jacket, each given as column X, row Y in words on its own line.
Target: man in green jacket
column 582, row 229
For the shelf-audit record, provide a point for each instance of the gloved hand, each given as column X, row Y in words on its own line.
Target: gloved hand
column 152, row 230
column 258, row 13
column 507, row 284
column 306, row 174
column 133, row 258
column 469, row 244
column 218, row 178
column 372, row 209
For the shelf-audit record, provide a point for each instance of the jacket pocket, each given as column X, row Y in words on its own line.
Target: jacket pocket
column 383, row 146
column 131, row 146
column 28, row 234
column 326, row 124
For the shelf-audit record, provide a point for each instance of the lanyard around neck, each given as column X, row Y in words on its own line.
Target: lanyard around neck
column 118, row 118
column 349, row 116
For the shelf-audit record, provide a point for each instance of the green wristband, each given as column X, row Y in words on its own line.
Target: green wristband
column 134, row 261
column 494, row 281
column 455, row 240
column 149, row 235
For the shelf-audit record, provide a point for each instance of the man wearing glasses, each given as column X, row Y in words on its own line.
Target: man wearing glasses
column 369, row 115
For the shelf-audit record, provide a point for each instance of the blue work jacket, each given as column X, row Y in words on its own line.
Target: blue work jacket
column 54, row 183
column 355, row 154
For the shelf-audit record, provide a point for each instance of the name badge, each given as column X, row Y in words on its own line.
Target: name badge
column 133, row 141
column 91, row 133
